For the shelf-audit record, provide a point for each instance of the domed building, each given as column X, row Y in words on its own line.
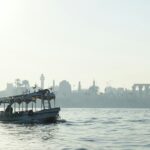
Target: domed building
column 64, row 88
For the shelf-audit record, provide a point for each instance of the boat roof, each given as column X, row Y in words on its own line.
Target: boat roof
column 41, row 94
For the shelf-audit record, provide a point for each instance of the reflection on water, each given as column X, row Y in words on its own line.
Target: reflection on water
column 82, row 129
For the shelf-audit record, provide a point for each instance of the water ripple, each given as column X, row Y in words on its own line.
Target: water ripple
column 82, row 129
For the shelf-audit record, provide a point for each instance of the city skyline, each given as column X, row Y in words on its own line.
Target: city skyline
column 74, row 87
column 74, row 74
column 93, row 96
column 106, row 41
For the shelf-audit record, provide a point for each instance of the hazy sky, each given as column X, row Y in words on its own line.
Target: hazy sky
column 105, row 40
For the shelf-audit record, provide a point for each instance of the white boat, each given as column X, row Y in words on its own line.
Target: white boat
column 24, row 114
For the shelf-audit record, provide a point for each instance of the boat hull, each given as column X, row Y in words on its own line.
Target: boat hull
column 43, row 116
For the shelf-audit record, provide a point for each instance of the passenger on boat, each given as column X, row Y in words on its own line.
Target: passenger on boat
column 9, row 109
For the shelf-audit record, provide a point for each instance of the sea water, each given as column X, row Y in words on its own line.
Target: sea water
column 82, row 129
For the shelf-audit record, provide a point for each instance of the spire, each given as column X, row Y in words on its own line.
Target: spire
column 42, row 78
column 79, row 86
column 53, row 84
column 93, row 83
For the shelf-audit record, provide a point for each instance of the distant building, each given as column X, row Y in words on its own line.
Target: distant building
column 110, row 90
column 42, row 78
column 120, row 90
column 54, row 85
column 64, row 88
column 93, row 89
column 9, row 89
column 79, row 86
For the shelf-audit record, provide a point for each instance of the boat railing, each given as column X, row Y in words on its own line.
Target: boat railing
column 24, row 100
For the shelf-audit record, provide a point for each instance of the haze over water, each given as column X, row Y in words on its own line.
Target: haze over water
column 83, row 129
column 76, row 40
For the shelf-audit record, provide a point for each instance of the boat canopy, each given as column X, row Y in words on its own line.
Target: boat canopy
column 30, row 97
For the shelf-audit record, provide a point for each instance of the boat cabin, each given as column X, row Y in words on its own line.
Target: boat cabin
column 20, row 104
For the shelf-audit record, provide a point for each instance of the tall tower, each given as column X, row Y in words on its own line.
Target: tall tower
column 53, row 84
column 79, row 86
column 93, row 83
column 42, row 78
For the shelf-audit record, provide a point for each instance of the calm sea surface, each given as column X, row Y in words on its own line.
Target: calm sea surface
column 82, row 129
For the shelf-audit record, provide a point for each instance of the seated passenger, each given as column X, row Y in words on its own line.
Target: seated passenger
column 9, row 109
